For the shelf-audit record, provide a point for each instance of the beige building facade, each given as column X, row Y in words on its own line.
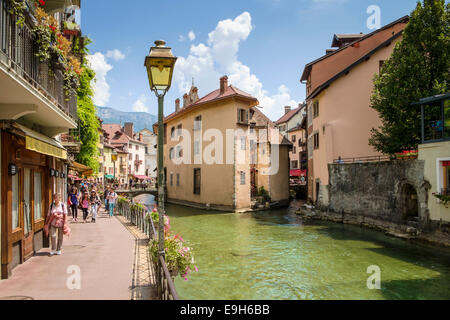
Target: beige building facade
column 339, row 116
column 212, row 137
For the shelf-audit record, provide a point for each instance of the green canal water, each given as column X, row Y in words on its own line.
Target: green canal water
column 271, row 255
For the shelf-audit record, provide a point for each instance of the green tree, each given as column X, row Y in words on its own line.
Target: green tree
column 88, row 122
column 418, row 67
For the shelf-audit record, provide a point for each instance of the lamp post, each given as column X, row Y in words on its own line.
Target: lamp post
column 114, row 159
column 160, row 64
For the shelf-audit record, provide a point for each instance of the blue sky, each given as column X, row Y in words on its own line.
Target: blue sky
column 262, row 45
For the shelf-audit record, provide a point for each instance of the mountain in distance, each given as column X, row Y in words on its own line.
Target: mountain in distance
column 141, row 120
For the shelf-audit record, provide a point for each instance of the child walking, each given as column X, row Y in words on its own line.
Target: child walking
column 85, row 206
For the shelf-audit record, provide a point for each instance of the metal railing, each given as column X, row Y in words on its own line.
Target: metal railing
column 18, row 51
column 362, row 159
column 166, row 287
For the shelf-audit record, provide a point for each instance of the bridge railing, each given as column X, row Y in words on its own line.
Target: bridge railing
column 137, row 216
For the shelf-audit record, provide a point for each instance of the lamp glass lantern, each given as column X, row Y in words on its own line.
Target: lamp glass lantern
column 160, row 64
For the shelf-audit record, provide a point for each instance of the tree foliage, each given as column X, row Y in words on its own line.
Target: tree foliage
column 88, row 122
column 418, row 67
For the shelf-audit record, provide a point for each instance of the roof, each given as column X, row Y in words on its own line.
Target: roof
column 117, row 136
column 339, row 38
column 432, row 99
column 260, row 119
column 288, row 116
column 346, row 70
column 308, row 67
column 214, row 96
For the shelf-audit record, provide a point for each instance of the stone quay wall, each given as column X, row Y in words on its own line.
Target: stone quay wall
column 390, row 196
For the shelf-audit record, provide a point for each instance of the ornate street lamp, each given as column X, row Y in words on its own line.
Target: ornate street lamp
column 160, row 64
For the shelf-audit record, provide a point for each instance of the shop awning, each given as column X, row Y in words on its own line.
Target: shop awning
column 79, row 167
column 108, row 176
column 298, row 173
column 37, row 142
column 75, row 178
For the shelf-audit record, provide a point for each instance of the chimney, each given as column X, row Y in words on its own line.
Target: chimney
column 177, row 105
column 129, row 129
column 193, row 95
column 223, row 84
column 185, row 100
column 287, row 109
column 141, row 137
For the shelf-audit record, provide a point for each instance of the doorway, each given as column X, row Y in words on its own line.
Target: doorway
column 409, row 203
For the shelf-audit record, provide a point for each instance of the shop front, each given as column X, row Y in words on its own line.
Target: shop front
column 33, row 168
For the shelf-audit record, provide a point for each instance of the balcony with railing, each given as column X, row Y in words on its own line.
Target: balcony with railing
column 30, row 87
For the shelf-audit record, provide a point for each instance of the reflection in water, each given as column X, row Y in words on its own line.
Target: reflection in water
column 269, row 255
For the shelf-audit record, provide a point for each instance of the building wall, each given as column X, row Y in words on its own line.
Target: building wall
column 432, row 154
column 332, row 65
column 217, row 185
column 279, row 182
column 141, row 153
column 151, row 159
column 108, row 164
column 345, row 118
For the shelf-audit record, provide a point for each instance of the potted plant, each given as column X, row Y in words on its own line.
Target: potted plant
column 179, row 257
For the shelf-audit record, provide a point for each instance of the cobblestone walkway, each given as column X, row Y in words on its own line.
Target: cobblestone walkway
column 144, row 286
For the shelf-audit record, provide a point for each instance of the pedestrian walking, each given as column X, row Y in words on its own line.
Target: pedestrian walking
column 106, row 199
column 74, row 201
column 57, row 223
column 85, row 206
column 95, row 204
column 112, row 197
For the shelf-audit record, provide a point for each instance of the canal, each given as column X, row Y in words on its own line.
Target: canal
column 271, row 255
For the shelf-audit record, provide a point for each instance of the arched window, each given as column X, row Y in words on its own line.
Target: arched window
column 198, row 123
column 172, row 132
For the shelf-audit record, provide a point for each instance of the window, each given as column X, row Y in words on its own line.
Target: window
column 294, row 164
column 15, row 201
column 146, row 150
column 282, row 128
column 178, row 179
column 179, row 152
column 316, row 141
column 315, row 109
column 243, row 143
column 445, row 178
column 137, row 148
column 198, row 123
column 196, row 147
column 242, row 116
column 179, row 130
column 299, row 142
column 130, row 157
column 242, row 178
column 172, row 132
column 294, row 138
column 197, row 181
column 252, row 145
column 171, row 179
column 171, row 154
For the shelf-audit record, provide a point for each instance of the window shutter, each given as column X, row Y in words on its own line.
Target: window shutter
column 246, row 116
column 239, row 115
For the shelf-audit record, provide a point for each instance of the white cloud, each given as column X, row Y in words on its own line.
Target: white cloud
column 181, row 38
column 101, row 87
column 115, row 54
column 206, row 63
column 140, row 104
column 191, row 35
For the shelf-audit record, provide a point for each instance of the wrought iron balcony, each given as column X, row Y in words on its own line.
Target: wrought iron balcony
column 18, row 56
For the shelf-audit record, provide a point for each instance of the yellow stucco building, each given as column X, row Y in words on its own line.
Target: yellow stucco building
column 216, row 154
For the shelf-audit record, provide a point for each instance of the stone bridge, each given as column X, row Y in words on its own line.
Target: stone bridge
column 137, row 192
